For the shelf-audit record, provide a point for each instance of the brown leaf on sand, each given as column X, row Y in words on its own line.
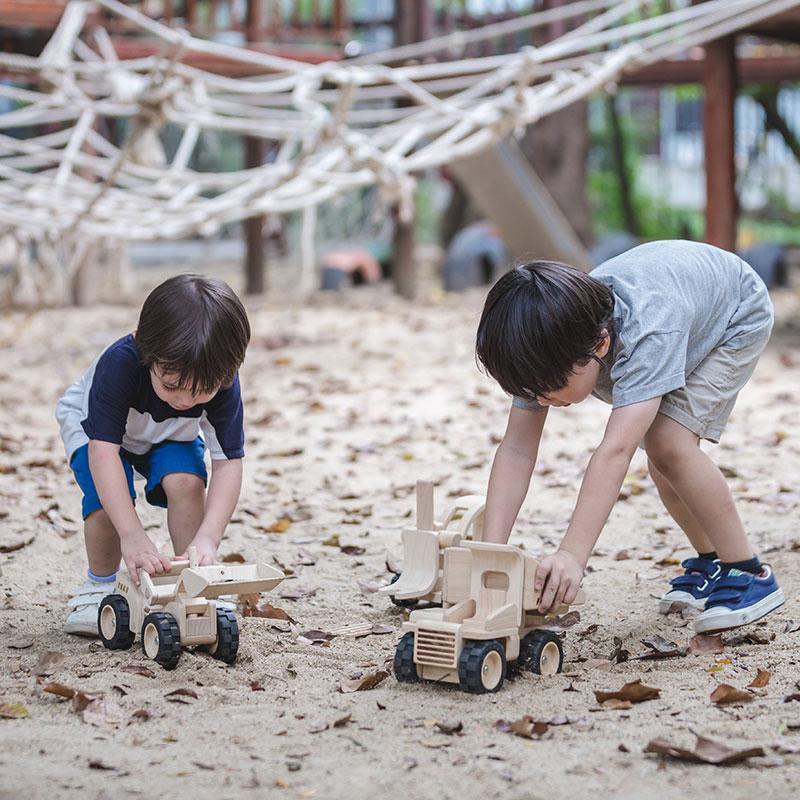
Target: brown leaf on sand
column 139, row 669
column 13, row 711
column 634, row 692
column 252, row 608
column 706, row 644
column 369, row 680
column 725, row 695
column 527, row 727
column 175, row 694
column 761, row 680
column 80, row 699
column 233, row 558
column 315, row 637
column 706, row 751
column 48, row 663
column 661, row 648
column 618, row 654
column 613, row 704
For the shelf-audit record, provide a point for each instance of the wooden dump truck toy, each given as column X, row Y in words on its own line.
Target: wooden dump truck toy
column 177, row 609
column 424, row 546
column 488, row 621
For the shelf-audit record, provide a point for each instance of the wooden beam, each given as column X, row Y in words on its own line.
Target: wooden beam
column 254, row 264
column 768, row 69
column 719, row 84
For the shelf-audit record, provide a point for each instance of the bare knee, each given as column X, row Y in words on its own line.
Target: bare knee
column 665, row 456
column 182, row 485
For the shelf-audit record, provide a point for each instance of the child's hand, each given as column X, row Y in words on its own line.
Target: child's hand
column 206, row 551
column 138, row 552
column 557, row 580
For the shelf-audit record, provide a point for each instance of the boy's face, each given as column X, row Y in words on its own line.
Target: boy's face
column 168, row 388
column 581, row 382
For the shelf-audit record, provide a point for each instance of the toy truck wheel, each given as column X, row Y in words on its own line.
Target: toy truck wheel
column 161, row 639
column 397, row 601
column 542, row 652
column 405, row 670
column 113, row 622
column 227, row 645
column 482, row 667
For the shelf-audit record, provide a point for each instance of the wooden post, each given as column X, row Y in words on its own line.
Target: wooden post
column 413, row 22
column 719, row 85
column 253, row 21
column 255, row 280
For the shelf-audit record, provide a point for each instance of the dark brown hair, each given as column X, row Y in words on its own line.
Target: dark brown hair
column 195, row 328
column 540, row 320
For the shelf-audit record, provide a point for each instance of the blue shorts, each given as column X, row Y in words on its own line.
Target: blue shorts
column 164, row 459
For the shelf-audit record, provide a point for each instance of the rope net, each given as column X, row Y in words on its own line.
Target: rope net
column 375, row 121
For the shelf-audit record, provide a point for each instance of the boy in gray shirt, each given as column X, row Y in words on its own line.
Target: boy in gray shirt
column 668, row 334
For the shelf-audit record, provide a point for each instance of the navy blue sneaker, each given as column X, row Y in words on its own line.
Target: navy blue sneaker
column 693, row 587
column 739, row 598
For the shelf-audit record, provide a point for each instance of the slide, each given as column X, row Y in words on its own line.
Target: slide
column 506, row 188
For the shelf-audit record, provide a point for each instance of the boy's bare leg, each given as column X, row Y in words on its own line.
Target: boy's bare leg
column 679, row 512
column 697, row 481
column 186, row 499
column 102, row 543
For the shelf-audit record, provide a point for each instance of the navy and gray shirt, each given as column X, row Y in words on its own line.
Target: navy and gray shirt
column 115, row 402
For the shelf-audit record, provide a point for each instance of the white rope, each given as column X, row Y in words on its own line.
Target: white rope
column 337, row 125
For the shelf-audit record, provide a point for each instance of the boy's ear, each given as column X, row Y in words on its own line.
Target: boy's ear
column 605, row 343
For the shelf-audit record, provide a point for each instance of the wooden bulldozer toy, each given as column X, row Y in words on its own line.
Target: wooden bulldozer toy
column 424, row 546
column 178, row 609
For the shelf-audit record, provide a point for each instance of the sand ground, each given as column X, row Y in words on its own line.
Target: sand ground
column 348, row 402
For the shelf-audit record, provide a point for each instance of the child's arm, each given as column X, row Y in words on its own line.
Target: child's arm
column 511, row 472
column 560, row 574
column 112, row 489
column 223, row 494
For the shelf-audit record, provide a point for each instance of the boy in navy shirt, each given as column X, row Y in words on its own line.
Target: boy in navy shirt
column 153, row 402
column 668, row 334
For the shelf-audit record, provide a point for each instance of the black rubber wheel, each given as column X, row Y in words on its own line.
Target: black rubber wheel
column 405, row 670
column 227, row 645
column 542, row 653
column 114, row 622
column 482, row 666
column 161, row 639
column 401, row 603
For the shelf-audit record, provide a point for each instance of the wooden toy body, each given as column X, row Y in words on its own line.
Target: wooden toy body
column 488, row 594
column 425, row 545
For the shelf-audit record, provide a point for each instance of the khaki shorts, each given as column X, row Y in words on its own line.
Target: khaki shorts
column 705, row 403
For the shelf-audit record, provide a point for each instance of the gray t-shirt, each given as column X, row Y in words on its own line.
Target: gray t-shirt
column 674, row 302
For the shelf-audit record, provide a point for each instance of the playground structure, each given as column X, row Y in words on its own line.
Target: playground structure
column 424, row 546
column 72, row 180
column 177, row 609
column 489, row 619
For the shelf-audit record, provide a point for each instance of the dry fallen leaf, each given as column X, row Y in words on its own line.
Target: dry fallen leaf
column 13, row 711
column 634, row 692
column 139, row 669
column 527, row 727
column 315, row 637
column 297, row 593
column 176, row 694
column 618, row 654
column 725, row 694
column 233, row 558
column 615, row 704
column 252, row 608
column 706, row 751
column 761, row 680
column 48, row 663
column 706, row 644
column 661, row 648
column 369, row 680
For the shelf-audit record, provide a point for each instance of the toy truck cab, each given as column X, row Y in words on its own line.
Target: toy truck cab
column 178, row 609
column 488, row 619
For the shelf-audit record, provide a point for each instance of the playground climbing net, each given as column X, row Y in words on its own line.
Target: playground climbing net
column 377, row 120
